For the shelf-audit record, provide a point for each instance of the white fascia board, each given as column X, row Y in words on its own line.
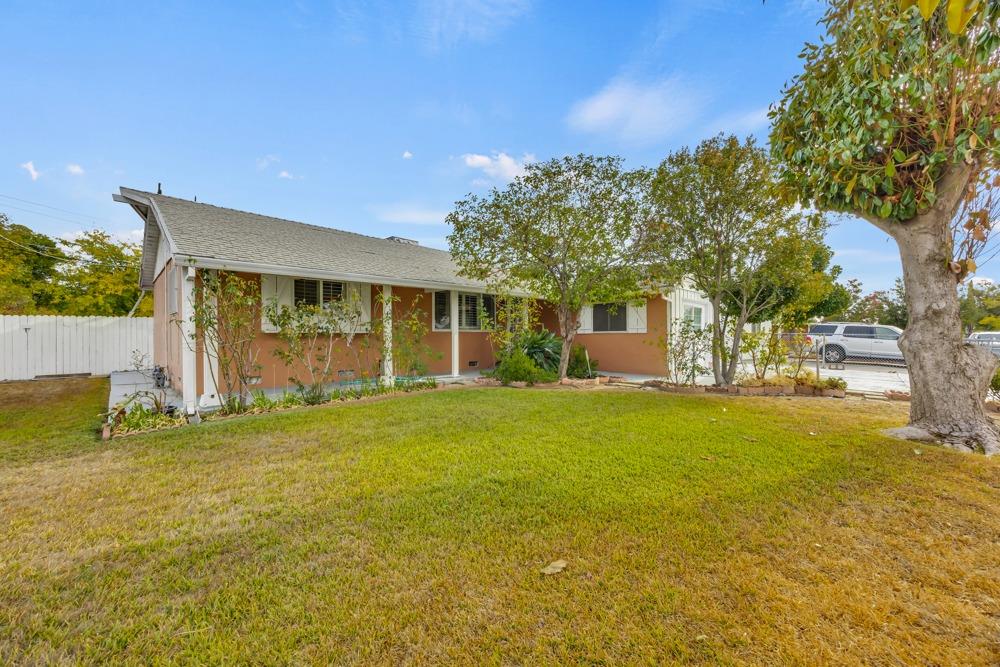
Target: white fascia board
column 298, row 272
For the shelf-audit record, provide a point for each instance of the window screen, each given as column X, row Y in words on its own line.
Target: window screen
column 860, row 332
column 332, row 291
column 306, row 292
column 610, row 317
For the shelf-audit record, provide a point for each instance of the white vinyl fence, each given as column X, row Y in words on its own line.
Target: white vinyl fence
column 33, row 345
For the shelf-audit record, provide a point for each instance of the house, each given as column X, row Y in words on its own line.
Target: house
column 295, row 262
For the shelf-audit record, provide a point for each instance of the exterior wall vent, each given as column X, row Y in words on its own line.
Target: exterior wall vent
column 400, row 239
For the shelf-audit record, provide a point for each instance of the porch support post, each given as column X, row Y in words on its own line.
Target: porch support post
column 209, row 372
column 388, row 373
column 189, row 360
column 454, row 333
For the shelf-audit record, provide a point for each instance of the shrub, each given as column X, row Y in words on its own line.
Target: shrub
column 519, row 367
column 834, row 383
column 542, row 347
column 144, row 418
column 578, row 365
column 994, row 389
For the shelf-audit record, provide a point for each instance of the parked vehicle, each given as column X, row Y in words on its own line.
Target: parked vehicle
column 990, row 339
column 856, row 340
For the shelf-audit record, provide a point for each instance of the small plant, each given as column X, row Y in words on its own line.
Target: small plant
column 519, row 367
column 686, row 348
column 580, row 364
column 542, row 347
column 765, row 350
column 143, row 418
column 834, row 383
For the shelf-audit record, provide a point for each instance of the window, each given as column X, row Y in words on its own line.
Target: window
column 823, row 329
column 693, row 315
column 859, row 332
column 442, row 316
column 610, row 317
column 471, row 307
column 885, row 333
column 308, row 292
column 173, row 289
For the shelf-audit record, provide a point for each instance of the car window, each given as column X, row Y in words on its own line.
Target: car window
column 885, row 333
column 823, row 329
column 859, row 332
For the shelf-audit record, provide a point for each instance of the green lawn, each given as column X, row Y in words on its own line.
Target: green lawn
column 412, row 530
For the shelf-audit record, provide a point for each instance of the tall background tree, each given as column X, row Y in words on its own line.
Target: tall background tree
column 895, row 119
column 725, row 225
column 92, row 274
column 571, row 231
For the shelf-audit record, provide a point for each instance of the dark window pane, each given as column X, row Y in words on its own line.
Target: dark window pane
column 442, row 318
column 490, row 306
column 823, row 329
column 610, row 317
column 332, row 291
column 306, row 293
column 860, row 332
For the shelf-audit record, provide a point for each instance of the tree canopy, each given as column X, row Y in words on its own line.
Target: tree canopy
column 572, row 231
column 92, row 274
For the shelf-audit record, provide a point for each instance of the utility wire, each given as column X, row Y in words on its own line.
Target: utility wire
column 94, row 262
column 55, row 208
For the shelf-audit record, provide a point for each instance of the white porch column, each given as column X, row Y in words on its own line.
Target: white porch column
column 388, row 372
column 454, row 333
column 189, row 361
column 209, row 374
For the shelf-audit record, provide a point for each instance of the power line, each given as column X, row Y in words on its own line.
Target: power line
column 55, row 208
column 47, row 215
column 92, row 262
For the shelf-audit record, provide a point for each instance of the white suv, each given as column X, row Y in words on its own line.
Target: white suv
column 842, row 340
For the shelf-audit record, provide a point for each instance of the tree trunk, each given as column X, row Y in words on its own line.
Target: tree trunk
column 734, row 353
column 567, row 329
column 718, row 340
column 948, row 378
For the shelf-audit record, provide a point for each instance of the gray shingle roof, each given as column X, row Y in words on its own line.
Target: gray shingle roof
column 227, row 235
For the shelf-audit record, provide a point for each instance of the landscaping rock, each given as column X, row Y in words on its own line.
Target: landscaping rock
column 805, row 390
column 835, row 393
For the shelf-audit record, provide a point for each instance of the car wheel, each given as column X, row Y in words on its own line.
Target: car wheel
column 833, row 354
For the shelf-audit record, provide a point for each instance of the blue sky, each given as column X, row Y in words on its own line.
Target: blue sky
column 374, row 116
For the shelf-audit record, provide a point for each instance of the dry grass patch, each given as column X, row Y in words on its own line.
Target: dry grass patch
column 696, row 529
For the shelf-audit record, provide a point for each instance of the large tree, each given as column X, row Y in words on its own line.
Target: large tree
column 895, row 119
column 726, row 226
column 571, row 231
column 101, row 278
column 29, row 264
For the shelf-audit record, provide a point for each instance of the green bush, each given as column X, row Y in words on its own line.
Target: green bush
column 143, row 418
column 519, row 367
column 578, row 367
column 542, row 347
column 834, row 383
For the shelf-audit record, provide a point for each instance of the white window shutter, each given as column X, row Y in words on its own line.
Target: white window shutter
column 274, row 288
column 363, row 293
column 586, row 320
column 636, row 317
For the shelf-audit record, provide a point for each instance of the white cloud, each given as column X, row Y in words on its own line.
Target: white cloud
column 444, row 23
column 74, row 169
column 288, row 175
column 409, row 214
column 500, row 166
column 639, row 112
column 29, row 167
column 128, row 235
column 407, row 155
column 266, row 161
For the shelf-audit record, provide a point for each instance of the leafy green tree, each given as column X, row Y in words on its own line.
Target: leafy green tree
column 102, row 277
column 29, row 264
column 572, row 231
column 726, row 226
column 895, row 119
